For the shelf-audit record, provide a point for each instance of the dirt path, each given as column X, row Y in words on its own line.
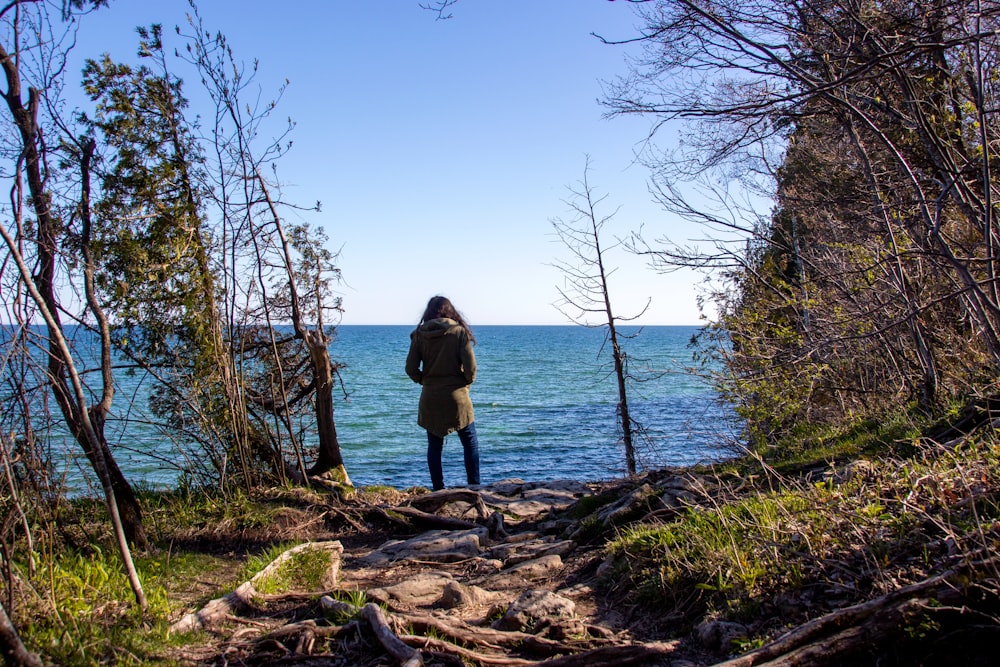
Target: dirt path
column 489, row 576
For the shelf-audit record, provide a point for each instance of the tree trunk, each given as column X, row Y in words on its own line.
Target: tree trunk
column 128, row 505
column 623, row 413
column 13, row 650
column 41, row 286
column 330, row 460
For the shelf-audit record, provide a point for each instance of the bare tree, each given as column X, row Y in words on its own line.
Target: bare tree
column 294, row 272
column 873, row 281
column 49, row 235
column 586, row 294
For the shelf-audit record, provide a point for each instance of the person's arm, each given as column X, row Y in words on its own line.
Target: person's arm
column 413, row 362
column 468, row 362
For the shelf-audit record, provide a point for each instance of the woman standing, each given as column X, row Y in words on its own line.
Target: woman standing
column 442, row 362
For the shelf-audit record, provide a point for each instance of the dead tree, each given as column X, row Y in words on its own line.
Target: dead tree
column 586, row 293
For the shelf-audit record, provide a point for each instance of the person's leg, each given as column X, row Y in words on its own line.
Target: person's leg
column 470, row 450
column 434, row 446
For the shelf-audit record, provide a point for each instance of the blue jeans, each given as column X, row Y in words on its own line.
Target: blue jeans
column 470, row 449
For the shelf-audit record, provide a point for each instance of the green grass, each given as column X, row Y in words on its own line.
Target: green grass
column 884, row 523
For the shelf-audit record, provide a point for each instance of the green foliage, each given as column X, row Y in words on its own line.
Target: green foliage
column 731, row 555
column 235, row 510
column 877, row 520
column 88, row 619
column 305, row 570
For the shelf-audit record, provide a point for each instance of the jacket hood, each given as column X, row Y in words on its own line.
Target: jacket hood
column 437, row 327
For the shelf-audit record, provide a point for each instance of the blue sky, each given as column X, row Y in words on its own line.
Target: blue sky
column 442, row 150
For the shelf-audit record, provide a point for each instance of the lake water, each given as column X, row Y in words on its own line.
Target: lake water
column 545, row 400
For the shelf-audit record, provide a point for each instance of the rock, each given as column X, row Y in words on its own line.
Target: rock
column 719, row 635
column 337, row 609
column 530, row 500
column 534, row 606
column 556, row 526
column 522, row 573
column 459, row 595
column 514, row 553
column 423, row 589
column 624, row 507
column 677, row 498
column 442, row 546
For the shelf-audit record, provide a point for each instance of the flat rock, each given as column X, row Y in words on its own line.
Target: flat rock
column 533, row 606
column 512, row 553
column 456, row 594
column 529, row 500
column 423, row 589
column 441, row 546
column 525, row 572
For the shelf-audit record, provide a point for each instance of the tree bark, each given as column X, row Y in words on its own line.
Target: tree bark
column 330, row 460
column 13, row 650
column 41, row 286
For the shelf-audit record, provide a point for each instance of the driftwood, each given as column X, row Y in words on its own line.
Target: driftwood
column 407, row 657
column 246, row 595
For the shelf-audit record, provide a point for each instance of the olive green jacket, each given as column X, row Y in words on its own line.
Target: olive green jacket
column 441, row 361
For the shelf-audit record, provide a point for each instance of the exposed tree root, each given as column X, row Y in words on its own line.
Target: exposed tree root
column 837, row 636
column 432, row 502
column 407, row 657
column 246, row 595
column 427, row 520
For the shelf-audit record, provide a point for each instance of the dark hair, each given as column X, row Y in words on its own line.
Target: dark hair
column 440, row 306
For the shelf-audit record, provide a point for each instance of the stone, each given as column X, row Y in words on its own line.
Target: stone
column 527, row 571
column 441, row 546
column 718, row 635
column 514, row 553
column 423, row 589
column 533, row 607
column 459, row 595
column 530, row 500
column 625, row 506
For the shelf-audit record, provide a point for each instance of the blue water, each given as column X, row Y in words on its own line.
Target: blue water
column 545, row 400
